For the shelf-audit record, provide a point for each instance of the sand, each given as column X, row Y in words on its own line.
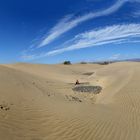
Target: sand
column 37, row 102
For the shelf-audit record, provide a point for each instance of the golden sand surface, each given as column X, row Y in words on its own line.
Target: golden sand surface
column 37, row 102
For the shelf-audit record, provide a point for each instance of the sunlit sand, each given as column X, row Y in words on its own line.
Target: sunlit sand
column 37, row 102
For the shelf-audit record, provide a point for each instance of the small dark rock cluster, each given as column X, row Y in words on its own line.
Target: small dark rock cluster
column 73, row 98
column 4, row 107
column 89, row 89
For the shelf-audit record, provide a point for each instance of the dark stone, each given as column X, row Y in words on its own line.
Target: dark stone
column 89, row 89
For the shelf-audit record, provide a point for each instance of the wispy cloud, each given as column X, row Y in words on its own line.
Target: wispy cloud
column 136, row 14
column 115, row 34
column 115, row 56
column 69, row 22
column 108, row 35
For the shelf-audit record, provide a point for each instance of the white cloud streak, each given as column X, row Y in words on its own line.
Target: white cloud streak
column 115, row 34
column 115, row 56
column 136, row 14
column 108, row 35
column 68, row 23
column 99, row 37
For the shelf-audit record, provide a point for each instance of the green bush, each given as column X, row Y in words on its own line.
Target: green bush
column 83, row 62
column 67, row 63
column 104, row 63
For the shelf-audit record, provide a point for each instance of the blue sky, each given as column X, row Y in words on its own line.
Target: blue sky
column 51, row 31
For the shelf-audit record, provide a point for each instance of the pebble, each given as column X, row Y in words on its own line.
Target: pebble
column 89, row 89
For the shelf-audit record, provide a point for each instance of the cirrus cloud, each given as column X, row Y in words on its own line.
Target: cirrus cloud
column 97, row 37
column 68, row 23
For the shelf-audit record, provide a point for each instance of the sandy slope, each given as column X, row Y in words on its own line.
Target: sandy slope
column 40, row 102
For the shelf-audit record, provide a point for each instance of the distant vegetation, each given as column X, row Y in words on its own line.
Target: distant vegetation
column 67, row 63
column 103, row 63
column 83, row 62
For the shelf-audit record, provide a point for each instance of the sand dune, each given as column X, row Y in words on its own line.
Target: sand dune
column 37, row 102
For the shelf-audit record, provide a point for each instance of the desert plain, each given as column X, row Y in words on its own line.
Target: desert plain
column 37, row 102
